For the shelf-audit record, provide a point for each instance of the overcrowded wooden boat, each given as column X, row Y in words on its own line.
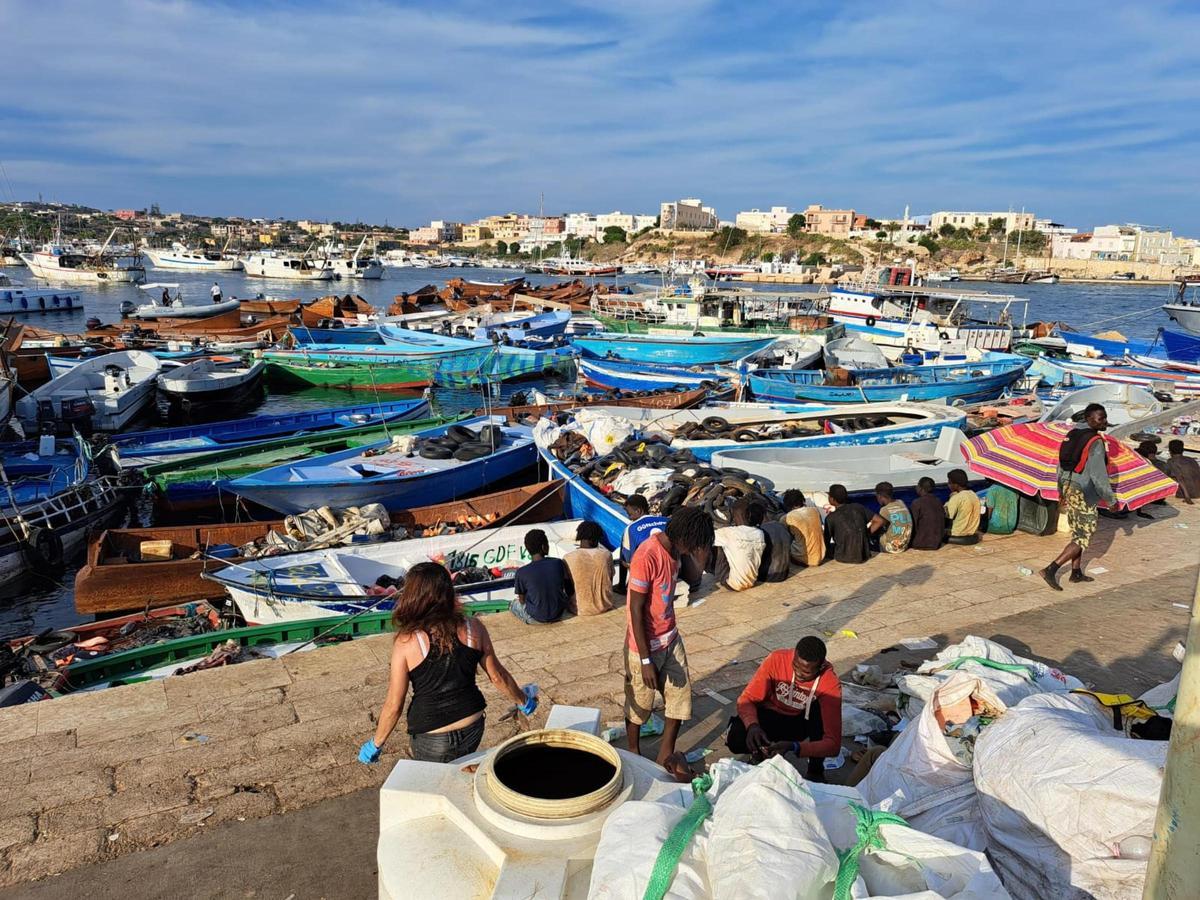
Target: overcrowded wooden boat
column 117, row 576
column 669, row 399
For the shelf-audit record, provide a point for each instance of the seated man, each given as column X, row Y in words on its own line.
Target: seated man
column 808, row 534
column 738, row 548
column 929, row 518
column 776, row 562
column 591, row 569
column 1183, row 469
column 962, row 510
column 846, row 527
column 792, row 704
column 893, row 523
column 543, row 586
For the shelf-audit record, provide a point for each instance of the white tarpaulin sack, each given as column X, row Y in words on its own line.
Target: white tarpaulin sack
column 1012, row 677
column 1068, row 802
column 920, row 778
column 603, row 431
column 767, row 840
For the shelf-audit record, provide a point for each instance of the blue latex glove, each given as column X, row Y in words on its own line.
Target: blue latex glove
column 368, row 752
column 531, row 700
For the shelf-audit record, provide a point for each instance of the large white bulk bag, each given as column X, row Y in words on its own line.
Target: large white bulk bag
column 1068, row 802
column 920, row 778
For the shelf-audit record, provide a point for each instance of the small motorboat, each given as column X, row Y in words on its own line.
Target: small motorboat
column 176, row 308
column 226, row 379
column 107, row 390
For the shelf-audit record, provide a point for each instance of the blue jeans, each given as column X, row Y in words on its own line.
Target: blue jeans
column 517, row 608
column 447, row 746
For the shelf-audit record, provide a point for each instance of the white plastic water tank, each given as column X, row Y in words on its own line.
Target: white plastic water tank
column 450, row 829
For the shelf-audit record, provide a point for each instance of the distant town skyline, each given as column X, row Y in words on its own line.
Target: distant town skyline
column 380, row 112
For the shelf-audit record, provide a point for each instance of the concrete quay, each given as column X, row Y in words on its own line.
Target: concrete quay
column 90, row 778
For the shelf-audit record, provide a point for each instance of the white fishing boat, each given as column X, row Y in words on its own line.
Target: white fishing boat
column 175, row 308
column 1124, row 403
column 271, row 264
column 215, row 378
column 180, row 256
column 854, row 353
column 326, row 583
column 109, row 390
column 901, row 318
column 17, row 300
column 944, row 276
column 357, row 265
column 58, row 263
column 859, row 468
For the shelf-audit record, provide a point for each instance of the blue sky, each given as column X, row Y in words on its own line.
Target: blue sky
column 1084, row 112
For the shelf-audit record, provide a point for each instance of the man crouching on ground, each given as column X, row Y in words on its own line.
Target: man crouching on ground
column 792, row 704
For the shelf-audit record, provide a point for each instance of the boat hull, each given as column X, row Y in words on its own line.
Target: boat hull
column 321, row 482
column 165, row 259
column 1185, row 315
column 778, row 387
column 199, row 311
column 351, row 376
column 687, row 351
column 21, row 301
column 612, row 375
column 47, row 269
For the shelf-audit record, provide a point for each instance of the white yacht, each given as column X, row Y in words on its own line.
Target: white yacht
column 272, row 264
column 181, row 256
column 16, row 299
column 58, row 263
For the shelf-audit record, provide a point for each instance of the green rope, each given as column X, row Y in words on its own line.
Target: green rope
column 677, row 842
column 1018, row 668
column 867, row 831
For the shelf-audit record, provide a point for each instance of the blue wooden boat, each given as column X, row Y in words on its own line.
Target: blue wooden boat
column 1112, row 348
column 681, row 350
column 610, row 374
column 506, row 364
column 341, row 334
column 1180, row 346
column 397, row 478
column 582, row 501
column 521, row 326
column 965, row 382
column 163, row 444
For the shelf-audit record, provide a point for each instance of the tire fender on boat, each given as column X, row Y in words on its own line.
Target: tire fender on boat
column 44, row 549
column 944, row 335
column 870, row 321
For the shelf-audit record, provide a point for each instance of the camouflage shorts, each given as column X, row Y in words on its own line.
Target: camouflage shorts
column 1081, row 517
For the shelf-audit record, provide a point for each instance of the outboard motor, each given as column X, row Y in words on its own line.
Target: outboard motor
column 127, row 308
column 93, row 323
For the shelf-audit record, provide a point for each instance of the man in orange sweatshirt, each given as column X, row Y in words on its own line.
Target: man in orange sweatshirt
column 792, row 704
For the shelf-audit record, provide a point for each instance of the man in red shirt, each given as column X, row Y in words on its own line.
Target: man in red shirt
column 655, row 660
column 792, row 704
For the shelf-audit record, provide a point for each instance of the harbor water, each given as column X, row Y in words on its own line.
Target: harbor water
column 37, row 603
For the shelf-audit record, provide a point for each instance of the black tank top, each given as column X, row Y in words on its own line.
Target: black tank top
column 444, row 688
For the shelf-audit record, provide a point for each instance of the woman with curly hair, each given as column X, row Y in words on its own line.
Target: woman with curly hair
column 438, row 650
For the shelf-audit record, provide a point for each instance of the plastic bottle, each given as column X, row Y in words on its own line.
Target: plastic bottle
column 1136, row 846
column 1025, row 570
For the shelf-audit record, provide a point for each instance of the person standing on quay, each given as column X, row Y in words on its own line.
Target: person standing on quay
column 1082, row 484
column 655, row 659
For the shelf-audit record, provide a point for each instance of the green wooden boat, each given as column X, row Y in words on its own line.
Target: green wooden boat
column 618, row 325
column 198, row 481
column 130, row 666
column 351, row 376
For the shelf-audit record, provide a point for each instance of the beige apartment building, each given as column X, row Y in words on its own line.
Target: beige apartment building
column 687, row 215
column 831, row 222
column 764, row 221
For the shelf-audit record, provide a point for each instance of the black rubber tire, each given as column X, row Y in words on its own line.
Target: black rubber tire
column 460, row 434
column 745, row 436
column 870, row 321
column 492, row 435
column 736, row 473
column 715, row 423
column 472, row 450
column 435, row 451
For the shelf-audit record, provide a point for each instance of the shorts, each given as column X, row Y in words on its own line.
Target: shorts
column 673, row 683
column 1081, row 516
